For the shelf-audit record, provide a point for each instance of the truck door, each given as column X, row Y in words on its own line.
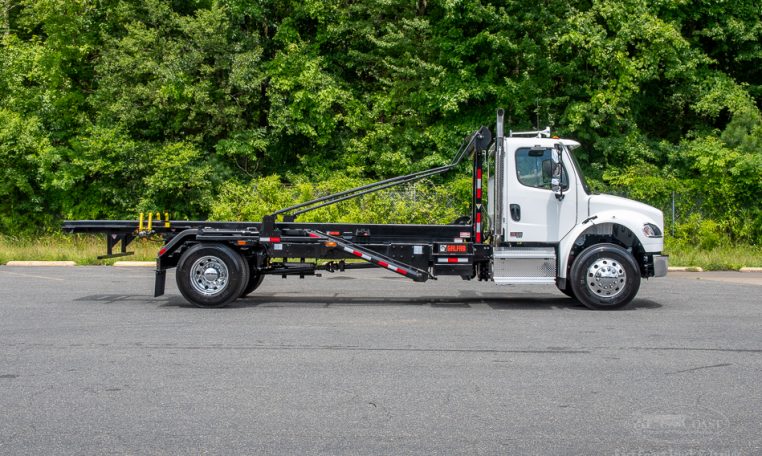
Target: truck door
column 532, row 211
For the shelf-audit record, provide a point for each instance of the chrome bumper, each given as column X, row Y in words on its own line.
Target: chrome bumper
column 661, row 262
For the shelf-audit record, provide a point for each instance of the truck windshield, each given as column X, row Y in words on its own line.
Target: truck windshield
column 579, row 172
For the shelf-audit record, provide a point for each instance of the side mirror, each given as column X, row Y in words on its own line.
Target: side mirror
column 556, row 175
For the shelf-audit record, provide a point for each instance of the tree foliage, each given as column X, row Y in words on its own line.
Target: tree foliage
column 112, row 107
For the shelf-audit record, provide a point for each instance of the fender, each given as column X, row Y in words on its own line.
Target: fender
column 631, row 220
column 163, row 259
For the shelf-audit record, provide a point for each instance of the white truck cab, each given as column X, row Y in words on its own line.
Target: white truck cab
column 548, row 227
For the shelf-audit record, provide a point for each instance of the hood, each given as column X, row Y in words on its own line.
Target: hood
column 601, row 203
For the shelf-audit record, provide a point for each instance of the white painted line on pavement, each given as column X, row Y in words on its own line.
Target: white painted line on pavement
column 16, row 274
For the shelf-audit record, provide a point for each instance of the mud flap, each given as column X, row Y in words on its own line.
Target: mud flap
column 161, row 278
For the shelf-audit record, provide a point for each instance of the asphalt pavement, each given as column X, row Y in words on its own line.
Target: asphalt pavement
column 370, row 363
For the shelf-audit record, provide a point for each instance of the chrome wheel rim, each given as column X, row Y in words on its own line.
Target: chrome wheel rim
column 606, row 278
column 209, row 275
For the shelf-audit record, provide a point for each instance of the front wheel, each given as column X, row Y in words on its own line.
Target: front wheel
column 212, row 275
column 605, row 277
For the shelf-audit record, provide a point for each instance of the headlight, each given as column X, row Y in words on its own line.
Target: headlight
column 651, row 230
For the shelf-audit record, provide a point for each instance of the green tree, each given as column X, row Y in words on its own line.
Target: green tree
column 113, row 107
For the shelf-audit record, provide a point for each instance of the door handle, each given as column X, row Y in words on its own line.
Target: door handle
column 515, row 212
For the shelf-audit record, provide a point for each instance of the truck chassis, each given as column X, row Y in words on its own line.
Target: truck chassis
column 219, row 262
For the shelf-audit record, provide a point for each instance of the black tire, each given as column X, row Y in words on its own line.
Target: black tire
column 212, row 275
column 605, row 277
column 255, row 280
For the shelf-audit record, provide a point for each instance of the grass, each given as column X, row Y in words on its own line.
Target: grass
column 84, row 249
column 724, row 258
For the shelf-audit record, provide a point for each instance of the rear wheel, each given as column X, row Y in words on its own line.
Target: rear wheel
column 255, row 280
column 212, row 275
column 605, row 277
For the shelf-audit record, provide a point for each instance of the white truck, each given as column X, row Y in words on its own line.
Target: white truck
column 543, row 226
column 549, row 227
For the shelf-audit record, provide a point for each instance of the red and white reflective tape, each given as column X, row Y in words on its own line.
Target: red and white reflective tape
column 392, row 267
column 269, row 239
column 357, row 253
column 452, row 260
column 313, row 235
column 478, row 224
column 383, row 264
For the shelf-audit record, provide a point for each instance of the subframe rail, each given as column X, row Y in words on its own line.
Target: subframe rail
column 354, row 232
column 388, row 245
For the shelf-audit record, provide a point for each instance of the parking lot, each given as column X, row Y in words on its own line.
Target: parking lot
column 370, row 363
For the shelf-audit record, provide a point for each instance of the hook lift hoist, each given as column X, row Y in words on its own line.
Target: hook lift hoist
column 545, row 227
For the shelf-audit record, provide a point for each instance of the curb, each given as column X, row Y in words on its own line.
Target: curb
column 750, row 269
column 41, row 263
column 134, row 264
column 684, row 269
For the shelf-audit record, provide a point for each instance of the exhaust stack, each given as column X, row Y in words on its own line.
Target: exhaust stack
column 497, row 216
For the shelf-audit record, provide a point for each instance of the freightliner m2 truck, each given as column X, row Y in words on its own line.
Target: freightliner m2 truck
column 542, row 225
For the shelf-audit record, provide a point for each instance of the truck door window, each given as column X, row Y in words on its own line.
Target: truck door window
column 533, row 170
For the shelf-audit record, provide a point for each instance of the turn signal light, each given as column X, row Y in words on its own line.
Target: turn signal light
column 651, row 230
column 329, row 244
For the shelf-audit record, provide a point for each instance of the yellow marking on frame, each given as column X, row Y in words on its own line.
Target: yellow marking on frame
column 150, row 221
column 166, row 220
column 140, row 225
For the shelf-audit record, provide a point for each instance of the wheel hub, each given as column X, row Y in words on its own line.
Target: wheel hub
column 209, row 275
column 606, row 278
